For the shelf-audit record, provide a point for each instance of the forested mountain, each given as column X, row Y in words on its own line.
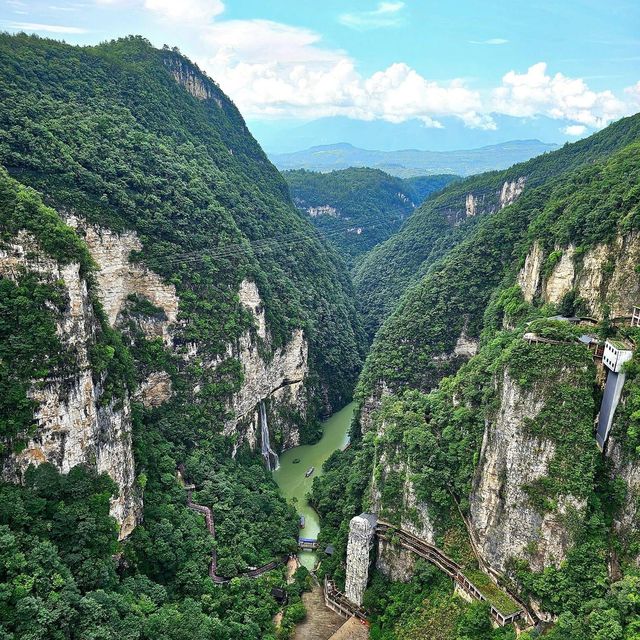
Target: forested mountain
column 445, row 220
column 357, row 209
column 160, row 294
column 477, row 404
column 170, row 322
column 408, row 163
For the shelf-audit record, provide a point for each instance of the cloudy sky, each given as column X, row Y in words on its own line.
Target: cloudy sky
column 473, row 64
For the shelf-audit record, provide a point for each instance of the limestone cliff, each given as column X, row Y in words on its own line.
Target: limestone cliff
column 279, row 378
column 627, row 521
column 504, row 522
column 488, row 201
column 119, row 278
column 602, row 276
column 74, row 424
column 189, row 77
column 395, row 562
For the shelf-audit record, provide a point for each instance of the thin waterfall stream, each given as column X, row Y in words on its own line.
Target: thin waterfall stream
column 269, row 455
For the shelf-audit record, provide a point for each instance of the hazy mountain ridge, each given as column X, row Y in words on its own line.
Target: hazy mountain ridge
column 413, row 162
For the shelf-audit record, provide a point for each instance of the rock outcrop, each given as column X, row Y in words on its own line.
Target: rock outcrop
column 74, row 424
column 280, row 378
column 489, row 202
column 119, row 278
column 504, row 522
column 362, row 530
column 627, row 520
column 193, row 81
column 603, row 275
column 393, row 561
column 511, row 191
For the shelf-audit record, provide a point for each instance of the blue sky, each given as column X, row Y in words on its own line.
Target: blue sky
column 473, row 65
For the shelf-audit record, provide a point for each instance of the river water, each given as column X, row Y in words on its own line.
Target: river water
column 291, row 479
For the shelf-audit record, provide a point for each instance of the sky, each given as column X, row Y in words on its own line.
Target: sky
column 559, row 69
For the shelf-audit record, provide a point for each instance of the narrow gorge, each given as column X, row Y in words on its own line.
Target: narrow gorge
column 225, row 392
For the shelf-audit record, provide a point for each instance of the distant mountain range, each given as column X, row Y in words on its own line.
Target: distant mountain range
column 413, row 162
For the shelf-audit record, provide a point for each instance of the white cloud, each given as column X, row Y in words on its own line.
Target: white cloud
column 195, row 12
column 275, row 70
column 574, row 130
column 190, row 11
column 634, row 93
column 386, row 14
column 35, row 27
column 490, row 41
column 559, row 97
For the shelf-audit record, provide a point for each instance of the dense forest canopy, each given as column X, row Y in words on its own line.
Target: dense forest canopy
column 108, row 133
column 358, row 208
column 440, row 223
column 133, row 138
column 435, row 409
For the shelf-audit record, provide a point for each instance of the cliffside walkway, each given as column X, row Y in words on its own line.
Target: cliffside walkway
column 438, row 558
column 339, row 603
column 213, row 564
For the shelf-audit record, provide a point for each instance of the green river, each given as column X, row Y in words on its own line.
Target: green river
column 291, row 479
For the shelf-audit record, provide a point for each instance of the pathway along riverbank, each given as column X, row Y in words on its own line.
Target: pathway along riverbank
column 293, row 483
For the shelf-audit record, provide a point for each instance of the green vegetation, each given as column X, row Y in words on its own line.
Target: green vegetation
column 426, row 607
column 494, row 595
column 33, row 304
column 29, row 348
column 455, row 293
column 109, row 133
column 431, row 427
column 358, row 208
column 441, row 223
column 62, row 574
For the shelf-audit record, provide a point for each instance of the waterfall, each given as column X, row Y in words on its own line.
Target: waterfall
column 269, row 455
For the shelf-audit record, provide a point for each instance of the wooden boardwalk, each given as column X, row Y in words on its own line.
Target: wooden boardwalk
column 211, row 528
column 339, row 603
column 450, row 567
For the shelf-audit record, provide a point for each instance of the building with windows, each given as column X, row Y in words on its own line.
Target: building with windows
column 616, row 353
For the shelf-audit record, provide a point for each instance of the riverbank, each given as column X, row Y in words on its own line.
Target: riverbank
column 295, row 485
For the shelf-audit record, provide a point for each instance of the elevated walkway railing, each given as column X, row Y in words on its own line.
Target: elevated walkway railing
column 438, row 558
column 339, row 603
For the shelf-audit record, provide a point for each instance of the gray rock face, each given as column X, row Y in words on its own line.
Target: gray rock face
column 394, row 562
column 280, row 380
column 372, row 404
column 628, row 520
column 605, row 274
column 504, row 523
column 186, row 75
column 511, row 191
column 74, row 426
column 361, row 534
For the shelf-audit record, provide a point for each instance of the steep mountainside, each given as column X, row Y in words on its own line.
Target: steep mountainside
column 163, row 303
column 497, row 463
column 412, row 162
column 444, row 221
column 356, row 209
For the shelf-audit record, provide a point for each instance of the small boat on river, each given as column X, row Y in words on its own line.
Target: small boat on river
column 302, row 522
column 309, row 472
